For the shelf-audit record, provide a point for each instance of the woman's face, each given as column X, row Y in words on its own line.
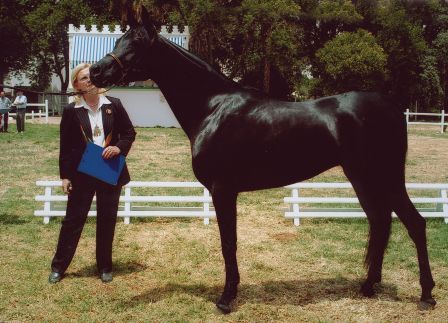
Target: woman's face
column 83, row 82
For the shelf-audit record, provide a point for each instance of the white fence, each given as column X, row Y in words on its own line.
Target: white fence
column 442, row 116
column 43, row 111
column 303, row 200
column 191, row 199
column 140, row 199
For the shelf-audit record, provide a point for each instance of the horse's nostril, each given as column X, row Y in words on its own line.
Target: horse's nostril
column 95, row 70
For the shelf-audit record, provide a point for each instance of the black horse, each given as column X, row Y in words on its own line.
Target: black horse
column 242, row 140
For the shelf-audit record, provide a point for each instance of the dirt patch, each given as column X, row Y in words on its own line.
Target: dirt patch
column 284, row 236
column 51, row 120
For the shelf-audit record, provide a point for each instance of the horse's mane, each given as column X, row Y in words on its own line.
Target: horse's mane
column 199, row 63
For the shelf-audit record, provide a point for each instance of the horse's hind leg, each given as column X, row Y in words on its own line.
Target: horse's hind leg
column 416, row 226
column 225, row 205
column 375, row 205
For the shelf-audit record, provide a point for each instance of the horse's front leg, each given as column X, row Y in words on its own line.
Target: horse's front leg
column 225, row 206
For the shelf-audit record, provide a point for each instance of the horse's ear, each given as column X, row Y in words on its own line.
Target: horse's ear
column 145, row 18
column 129, row 14
column 146, row 21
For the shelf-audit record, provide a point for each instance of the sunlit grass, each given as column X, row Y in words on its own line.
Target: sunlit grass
column 172, row 269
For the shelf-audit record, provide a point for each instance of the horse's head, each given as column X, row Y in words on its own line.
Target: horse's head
column 129, row 60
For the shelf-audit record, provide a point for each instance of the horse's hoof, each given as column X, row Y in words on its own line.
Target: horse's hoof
column 427, row 304
column 225, row 308
column 367, row 290
column 224, row 302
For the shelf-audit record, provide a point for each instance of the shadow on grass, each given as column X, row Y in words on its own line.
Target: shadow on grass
column 119, row 269
column 6, row 218
column 294, row 292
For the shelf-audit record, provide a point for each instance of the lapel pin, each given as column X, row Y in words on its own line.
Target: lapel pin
column 108, row 111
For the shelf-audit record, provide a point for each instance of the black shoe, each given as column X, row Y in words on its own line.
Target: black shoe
column 106, row 277
column 54, row 277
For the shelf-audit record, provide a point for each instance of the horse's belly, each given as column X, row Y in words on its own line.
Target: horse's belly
column 255, row 169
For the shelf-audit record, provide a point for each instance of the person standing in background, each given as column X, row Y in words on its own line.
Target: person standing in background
column 20, row 102
column 5, row 103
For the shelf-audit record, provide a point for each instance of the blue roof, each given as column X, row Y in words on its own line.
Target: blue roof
column 90, row 49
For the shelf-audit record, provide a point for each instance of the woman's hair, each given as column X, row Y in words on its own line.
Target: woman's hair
column 74, row 77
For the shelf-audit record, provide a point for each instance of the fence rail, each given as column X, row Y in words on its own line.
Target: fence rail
column 139, row 204
column 42, row 112
column 442, row 116
column 303, row 206
column 143, row 199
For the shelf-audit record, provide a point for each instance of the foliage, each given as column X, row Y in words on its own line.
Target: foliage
column 268, row 42
column 430, row 90
column 352, row 61
column 277, row 46
column 48, row 24
column 403, row 41
column 337, row 12
column 14, row 50
column 440, row 47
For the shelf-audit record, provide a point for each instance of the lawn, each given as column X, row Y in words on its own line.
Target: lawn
column 172, row 270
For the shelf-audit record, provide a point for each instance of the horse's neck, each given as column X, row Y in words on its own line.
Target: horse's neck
column 187, row 84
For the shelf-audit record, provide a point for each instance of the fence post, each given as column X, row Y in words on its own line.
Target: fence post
column 47, row 204
column 127, row 206
column 295, row 207
column 407, row 118
column 46, row 111
column 445, row 205
column 442, row 121
column 32, row 115
column 206, row 206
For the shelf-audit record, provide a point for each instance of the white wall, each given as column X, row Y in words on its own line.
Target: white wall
column 146, row 107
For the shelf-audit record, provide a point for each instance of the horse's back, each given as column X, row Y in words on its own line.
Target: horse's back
column 246, row 136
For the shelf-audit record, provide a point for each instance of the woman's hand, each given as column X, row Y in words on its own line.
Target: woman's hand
column 110, row 152
column 66, row 186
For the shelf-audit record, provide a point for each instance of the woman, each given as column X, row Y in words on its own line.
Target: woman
column 103, row 121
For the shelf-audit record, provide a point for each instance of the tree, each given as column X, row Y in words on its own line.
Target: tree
column 440, row 48
column 430, row 92
column 269, row 40
column 402, row 40
column 352, row 61
column 323, row 20
column 441, row 53
column 251, row 40
column 14, row 51
column 48, row 25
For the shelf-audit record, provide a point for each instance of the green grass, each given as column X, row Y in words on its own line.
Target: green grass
column 172, row 270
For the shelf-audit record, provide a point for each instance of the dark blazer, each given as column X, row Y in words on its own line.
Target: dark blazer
column 73, row 143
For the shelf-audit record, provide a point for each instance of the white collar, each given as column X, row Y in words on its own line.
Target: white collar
column 82, row 103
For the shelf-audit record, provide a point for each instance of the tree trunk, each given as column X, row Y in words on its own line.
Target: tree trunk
column 266, row 34
column 2, row 76
column 445, row 91
column 266, row 75
column 445, row 87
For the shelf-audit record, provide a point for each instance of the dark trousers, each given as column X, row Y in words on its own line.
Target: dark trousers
column 78, row 205
column 20, row 120
column 5, row 117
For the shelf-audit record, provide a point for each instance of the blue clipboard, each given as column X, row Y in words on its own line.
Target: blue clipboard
column 93, row 164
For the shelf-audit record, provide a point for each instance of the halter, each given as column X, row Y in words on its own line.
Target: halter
column 116, row 59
